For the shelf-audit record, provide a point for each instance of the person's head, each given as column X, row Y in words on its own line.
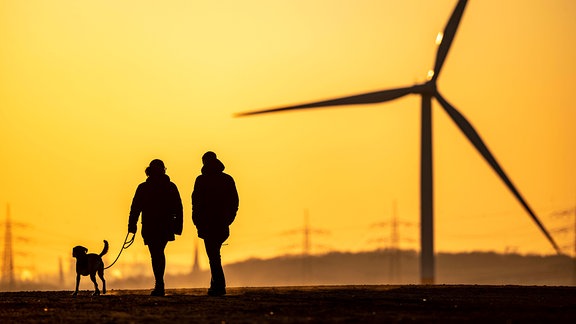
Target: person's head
column 208, row 157
column 156, row 167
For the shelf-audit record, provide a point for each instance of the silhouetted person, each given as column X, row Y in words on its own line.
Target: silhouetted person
column 214, row 207
column 159, row 201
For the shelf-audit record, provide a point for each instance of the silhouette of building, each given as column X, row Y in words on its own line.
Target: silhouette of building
column 60, row 272
column 195, row 263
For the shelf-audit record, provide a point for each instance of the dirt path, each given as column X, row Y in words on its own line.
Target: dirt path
column 355, row 304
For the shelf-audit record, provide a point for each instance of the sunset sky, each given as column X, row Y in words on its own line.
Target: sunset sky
column 91, row 91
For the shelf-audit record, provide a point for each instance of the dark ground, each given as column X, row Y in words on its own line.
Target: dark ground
column 354, row 304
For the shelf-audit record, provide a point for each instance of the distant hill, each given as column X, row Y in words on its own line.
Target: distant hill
column 392, row 267
column 402, row 267
column 366, row 268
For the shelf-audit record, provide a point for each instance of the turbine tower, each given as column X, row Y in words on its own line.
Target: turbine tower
column 427, row 91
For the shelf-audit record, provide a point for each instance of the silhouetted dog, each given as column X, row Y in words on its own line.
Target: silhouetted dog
column 90, row 264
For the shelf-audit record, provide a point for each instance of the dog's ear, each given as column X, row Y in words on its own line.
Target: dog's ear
column 79, row 251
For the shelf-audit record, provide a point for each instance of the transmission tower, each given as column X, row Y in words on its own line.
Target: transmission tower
column 574, row 256
column 8, row 258
column 307, row 232
column 568, row 212
column 393, row 246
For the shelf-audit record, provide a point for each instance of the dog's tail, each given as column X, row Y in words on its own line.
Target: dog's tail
column 105, row 250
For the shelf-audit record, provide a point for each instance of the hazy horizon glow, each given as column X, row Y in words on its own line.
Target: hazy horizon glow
column 91, row 91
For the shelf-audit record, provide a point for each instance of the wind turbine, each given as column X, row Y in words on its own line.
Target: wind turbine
column 427, row 91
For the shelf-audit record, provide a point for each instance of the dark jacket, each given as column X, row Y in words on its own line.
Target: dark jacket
column 159, row 201
column 214, row 202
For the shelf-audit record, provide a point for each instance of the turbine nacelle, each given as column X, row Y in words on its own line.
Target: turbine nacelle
column 427, row 88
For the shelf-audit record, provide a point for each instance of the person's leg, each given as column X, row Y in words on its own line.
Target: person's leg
column 218, row 282
column 158, row 266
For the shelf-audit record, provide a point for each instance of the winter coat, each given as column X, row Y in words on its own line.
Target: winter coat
column 214, row 202
column 159, row 202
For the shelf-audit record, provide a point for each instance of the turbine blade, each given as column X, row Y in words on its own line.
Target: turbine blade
column 475, row 139
column 448, row 37
column 367, row 98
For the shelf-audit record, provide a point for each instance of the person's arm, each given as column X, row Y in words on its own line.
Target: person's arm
column 178, row 212
column 234, row 201
column 197, row 201
column 135, row 210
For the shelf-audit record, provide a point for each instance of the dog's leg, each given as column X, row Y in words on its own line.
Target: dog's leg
column 77, row 284
column 101, row 275
column 96, row 290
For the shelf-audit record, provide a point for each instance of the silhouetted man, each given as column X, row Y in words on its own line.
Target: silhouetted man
column 159, row 201
column 214, row 207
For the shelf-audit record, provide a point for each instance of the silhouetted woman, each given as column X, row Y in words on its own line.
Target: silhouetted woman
column 214, row 207
column 159, row 202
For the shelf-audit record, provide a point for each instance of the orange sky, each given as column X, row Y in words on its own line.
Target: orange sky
column 91, row 91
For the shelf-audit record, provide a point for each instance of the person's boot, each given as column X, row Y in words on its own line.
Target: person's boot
column 216, row 291
column 158, row 290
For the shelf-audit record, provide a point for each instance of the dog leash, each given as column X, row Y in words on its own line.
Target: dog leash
column 127, row 243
